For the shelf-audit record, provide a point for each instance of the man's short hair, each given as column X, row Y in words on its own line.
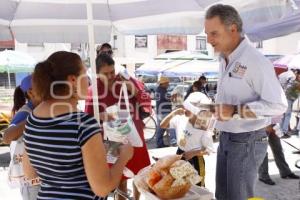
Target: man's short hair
column 227, row 14
column 102, row 60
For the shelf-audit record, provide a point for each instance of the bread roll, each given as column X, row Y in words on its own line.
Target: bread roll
column 171, row 178
column 166, row 162
column 164, row 190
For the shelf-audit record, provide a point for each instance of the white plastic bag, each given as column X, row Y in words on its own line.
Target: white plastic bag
column 15, row 172
column 122, row 129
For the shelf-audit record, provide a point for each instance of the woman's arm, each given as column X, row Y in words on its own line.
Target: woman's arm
column 103, row 179
column 14, row 132
column 29, row 171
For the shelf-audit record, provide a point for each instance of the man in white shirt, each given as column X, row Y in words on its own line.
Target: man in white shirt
column 248, row 95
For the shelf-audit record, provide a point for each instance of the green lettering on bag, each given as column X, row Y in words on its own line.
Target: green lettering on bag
column 125, row 129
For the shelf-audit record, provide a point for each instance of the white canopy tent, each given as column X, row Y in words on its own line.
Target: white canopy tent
column 14, row 61
column 289, row 23
column 193, row 68
column 180, row 63
column 78, row 21
column 68, row 20
column 289, row 61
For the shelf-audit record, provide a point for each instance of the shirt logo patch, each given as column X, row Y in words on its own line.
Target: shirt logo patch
column 239, row 70
column 187, row 133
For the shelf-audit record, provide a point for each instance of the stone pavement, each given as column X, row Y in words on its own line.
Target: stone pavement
column 283, row 190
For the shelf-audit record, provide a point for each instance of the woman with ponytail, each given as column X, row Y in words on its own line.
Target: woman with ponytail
column 24, row 102
column 63, row 144
column 19, row 100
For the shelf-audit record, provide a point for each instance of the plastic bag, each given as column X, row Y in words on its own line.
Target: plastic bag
column 15, row 172
column 122, row 129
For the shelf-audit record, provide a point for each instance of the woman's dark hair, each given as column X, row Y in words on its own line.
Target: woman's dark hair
column 102, row 60
column 202, row 78
column 198, row 85
column 19, row 100
column 105, row 45
column 50, row 75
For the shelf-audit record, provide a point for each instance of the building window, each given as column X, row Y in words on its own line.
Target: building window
column 171, row 43
column 201, row 43
column 141, row 41
column 259, row 45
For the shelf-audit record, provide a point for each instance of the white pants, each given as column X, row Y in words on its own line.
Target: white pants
column 30, row 192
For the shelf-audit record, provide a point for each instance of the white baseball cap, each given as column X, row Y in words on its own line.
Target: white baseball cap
column 195, row 98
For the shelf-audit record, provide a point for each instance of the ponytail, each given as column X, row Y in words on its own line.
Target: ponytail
column 19, row 100
column 48, row 74
column 42, row 79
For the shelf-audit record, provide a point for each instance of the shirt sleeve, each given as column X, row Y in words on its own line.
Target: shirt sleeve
column 88, row 128
column 19, row 117
column 207, row 142
column 174, row 122
column 272, row 100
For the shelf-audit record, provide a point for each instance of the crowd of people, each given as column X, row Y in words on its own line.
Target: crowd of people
column 61, row 148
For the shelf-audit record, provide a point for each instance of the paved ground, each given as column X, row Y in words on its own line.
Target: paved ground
column 283, row 190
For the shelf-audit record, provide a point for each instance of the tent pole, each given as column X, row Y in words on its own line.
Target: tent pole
column 92, row 56
column 8, row 76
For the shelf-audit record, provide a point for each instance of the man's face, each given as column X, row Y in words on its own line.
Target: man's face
column 219, row 35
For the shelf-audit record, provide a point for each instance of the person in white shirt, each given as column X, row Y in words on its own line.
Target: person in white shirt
column 287, row 77
column 192, row 141
column 249, row 93
column 289, row 81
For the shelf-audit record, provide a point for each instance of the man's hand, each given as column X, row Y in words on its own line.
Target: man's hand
column 224, row 112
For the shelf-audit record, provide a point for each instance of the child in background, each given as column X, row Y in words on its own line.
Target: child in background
column 24, row 102
column 193, row 137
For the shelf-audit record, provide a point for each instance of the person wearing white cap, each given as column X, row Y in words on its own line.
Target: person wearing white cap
column 163, row 108
column 193, row 137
